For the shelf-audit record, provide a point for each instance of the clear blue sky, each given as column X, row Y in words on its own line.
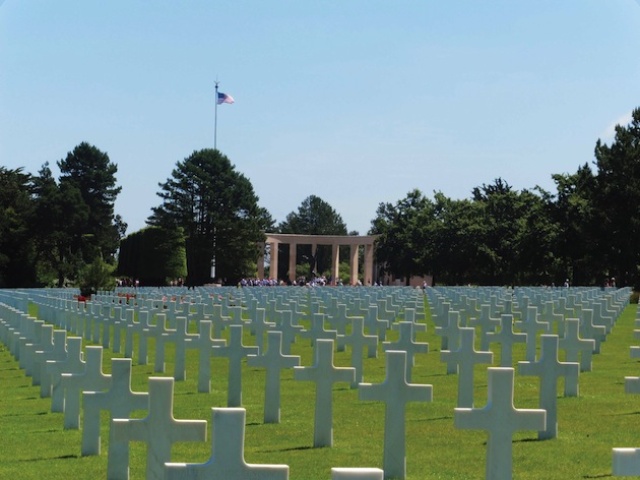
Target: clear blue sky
column 356, row 101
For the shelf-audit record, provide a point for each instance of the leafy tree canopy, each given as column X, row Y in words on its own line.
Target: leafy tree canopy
column 218, row 211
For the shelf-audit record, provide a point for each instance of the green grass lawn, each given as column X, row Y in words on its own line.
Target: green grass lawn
column 33, row 444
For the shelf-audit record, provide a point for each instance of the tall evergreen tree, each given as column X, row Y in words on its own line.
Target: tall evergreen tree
column 17, row 266
column 219, row 213
column 92, row 174
column 61, row 216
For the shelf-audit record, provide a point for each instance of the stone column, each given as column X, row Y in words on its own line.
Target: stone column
column 261, row 260
column 292, row 260
column 335, row 263
column 273, row 269
column 368, row 264
column 353, row 253
column 314, row 250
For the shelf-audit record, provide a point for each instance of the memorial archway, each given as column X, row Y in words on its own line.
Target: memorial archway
column 336, row 241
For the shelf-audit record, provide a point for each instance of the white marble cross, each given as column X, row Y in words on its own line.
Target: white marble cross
column 506, row 337
column 449, row 331
column 182, row 340
column 575, row 346
column 406, row 343
column 396, row 392
column 589, row 330
column 274, row 361
column 132, row 328
column 317, row 331
column 259, row 325
column 119, row 401
column 28, row 357
column 146, row 331
column 205, row 345
column 375, row 326
column 500, row 419
column 90, row 379
column 324, row 374
column 462, row 361
column 72, row 363
column 227, row 454
column 358, row 341
column 531, row 325
column 487, row 324
column 549, row 369
column 289, row 329
column 159, row 430
column 235, row 351
column 58, row 352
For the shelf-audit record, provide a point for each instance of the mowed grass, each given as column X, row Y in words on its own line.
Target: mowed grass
column 33, row 444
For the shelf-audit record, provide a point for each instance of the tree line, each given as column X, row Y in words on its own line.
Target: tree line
column 64, row 231
column 584, row 233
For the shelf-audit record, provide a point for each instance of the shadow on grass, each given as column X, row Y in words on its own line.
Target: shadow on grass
column 525, row 440
column 604, row 475
column 290, row 449
column 621, row 414
column 42, row 459
column 446, row 417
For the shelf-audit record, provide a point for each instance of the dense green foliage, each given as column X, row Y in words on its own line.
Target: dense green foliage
column 314, row 217
column 49, row 230
column 217, row 209
column 17, row 249
column 153, row 256
column 585, row 232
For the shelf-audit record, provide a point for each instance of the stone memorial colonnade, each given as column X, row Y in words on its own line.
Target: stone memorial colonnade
column 354, row 241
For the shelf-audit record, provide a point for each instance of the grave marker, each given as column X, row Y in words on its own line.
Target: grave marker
column 358, row 341
column 407, row 344
column 227, row 454
column 205, row 345
column 91, row 379
column 462, row 361
column 396, row 392
column 72, row 363
column 235, row 351
column 119, row 401
column 575, row 347
column 500, row 419
column 549, row 369
column 324, row 374
column 506, row 337
column 274, row 361
column 159, row 430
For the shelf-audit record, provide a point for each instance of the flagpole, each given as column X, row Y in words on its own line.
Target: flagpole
column 215, row 122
